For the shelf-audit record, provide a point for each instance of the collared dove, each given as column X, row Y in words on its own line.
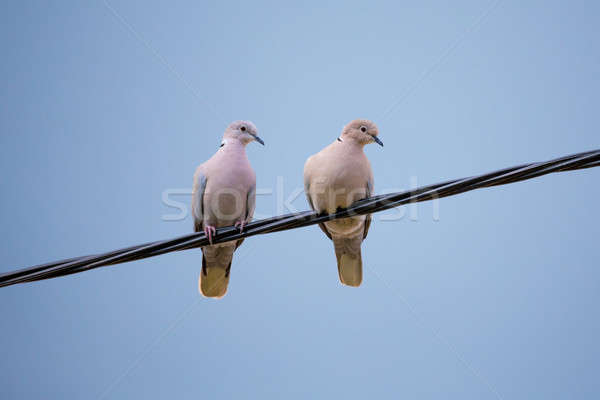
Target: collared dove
column 224, row 194
column 336, row 177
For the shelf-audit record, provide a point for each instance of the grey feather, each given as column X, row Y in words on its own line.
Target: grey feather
column 251, row 202
column 198, row 201
column 250, row 207
column 368, row 216
column 310, row 203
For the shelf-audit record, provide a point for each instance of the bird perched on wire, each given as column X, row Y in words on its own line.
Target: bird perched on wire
column 224, row 194
column 336, row 177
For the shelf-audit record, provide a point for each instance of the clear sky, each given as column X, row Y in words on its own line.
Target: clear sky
column 106, row 106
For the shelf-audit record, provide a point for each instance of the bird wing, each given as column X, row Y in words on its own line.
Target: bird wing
column 310, row 203
column 250, row 202
column 250, row 207
column 368, row 216
column 198, row 199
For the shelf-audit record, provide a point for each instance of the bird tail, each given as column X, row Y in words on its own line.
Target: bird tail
column 214, row 277
column 349, row 260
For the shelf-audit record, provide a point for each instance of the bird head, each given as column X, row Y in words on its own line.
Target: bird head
column 361, row 131
column 243, row 131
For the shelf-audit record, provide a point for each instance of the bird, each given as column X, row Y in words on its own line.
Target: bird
column 224, row 194
column 336, row 177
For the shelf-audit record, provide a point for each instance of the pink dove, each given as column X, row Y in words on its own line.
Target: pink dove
column 336, row 177
column 224, row 194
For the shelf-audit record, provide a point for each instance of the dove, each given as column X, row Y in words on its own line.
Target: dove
column 336, row 177
column 224, row 194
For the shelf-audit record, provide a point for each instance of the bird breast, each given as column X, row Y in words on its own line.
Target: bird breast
column 338, row 186
column 226, row 196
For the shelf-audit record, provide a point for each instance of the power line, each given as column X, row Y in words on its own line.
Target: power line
column 370, row 205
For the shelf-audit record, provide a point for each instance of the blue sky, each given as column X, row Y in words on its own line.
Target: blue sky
column 107, row 105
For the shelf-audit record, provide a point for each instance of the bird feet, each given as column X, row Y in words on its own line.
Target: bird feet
column 210, row 231
column 241, row 224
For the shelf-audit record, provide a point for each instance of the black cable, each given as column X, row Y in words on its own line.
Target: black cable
column 280, row 223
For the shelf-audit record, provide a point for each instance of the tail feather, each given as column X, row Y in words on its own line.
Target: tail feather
column 214, row 278
column 349, row 260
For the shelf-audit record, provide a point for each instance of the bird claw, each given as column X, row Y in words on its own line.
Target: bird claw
column 210, row 231
column 241, row 224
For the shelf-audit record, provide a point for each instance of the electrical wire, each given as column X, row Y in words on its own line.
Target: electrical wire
column 280, row 223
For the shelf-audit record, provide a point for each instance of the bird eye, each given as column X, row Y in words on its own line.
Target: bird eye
column 363, row 129
column 243, row 129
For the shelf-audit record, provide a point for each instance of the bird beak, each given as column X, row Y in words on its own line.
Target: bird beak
column 376, row 139
column 259, row 140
